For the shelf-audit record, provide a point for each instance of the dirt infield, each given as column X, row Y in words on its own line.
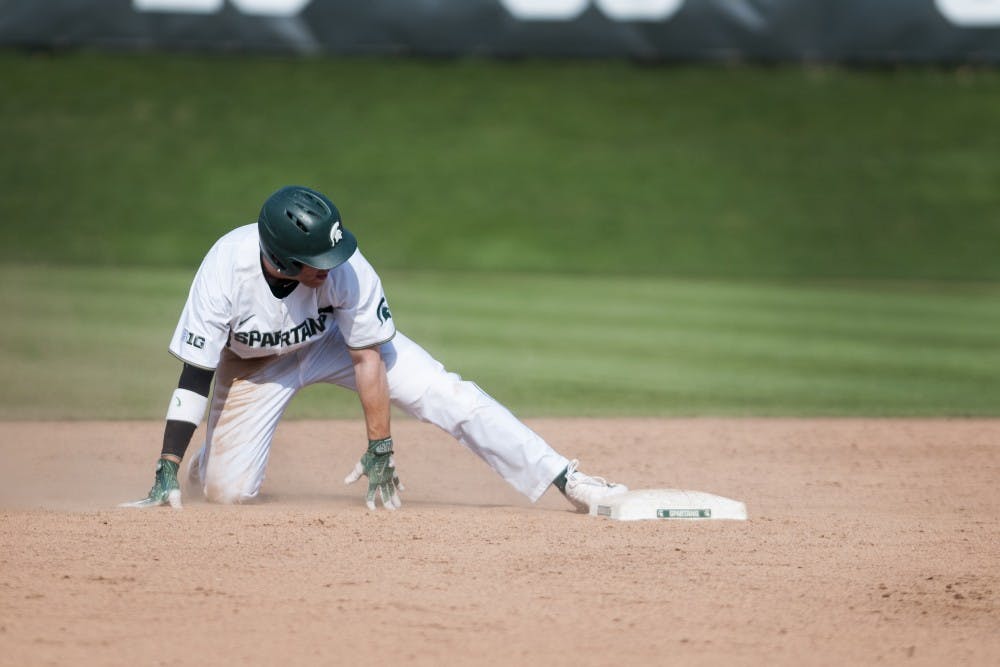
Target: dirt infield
column 869, row 541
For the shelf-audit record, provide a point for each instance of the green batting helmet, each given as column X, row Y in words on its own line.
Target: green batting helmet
column 297, row 226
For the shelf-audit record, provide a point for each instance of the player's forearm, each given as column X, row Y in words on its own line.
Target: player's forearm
column 187, row 407
column 373, row 391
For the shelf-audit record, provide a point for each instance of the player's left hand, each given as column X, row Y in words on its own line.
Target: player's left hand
column 379, row 467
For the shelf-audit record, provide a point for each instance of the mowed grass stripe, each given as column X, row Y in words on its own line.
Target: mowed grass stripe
column 679, row 347
column 91, row 343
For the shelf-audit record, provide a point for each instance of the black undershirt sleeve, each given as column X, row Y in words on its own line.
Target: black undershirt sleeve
column 177, row 434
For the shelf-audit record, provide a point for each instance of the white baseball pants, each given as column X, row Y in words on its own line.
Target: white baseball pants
column 251, row 395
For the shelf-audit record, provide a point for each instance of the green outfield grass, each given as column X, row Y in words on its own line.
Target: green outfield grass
column 552, row 167
column 579, row 237
column 91, row 343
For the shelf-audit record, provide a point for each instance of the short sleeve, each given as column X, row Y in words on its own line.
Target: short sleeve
column 360, row 307
column 203, row 329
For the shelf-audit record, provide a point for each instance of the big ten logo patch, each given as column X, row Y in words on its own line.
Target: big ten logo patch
column 970, row 13
column 194, row 341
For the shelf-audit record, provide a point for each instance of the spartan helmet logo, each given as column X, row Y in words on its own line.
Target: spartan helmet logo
column 383, row 311
column 336, row 234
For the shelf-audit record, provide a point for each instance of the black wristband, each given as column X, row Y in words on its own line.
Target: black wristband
column 380, row 447
column 176, row 437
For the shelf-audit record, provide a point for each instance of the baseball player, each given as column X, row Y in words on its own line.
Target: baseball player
column 291, row 301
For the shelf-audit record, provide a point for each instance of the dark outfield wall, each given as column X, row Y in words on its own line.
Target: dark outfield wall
column 826, row 30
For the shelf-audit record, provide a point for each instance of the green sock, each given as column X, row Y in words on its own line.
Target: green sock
column 560, row 481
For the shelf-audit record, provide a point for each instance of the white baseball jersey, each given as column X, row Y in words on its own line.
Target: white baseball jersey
column 278, row 346
column 230, row 305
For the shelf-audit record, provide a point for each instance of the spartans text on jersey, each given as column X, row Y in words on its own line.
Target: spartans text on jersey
column 299, row 334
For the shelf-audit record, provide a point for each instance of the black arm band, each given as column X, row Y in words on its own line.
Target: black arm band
column 176, row 437
column 195, row 379
column 177, row 433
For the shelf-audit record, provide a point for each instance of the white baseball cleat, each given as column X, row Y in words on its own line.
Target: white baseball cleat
column 583, row 490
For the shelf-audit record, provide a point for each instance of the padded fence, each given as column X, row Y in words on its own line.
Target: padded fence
column 865, row 31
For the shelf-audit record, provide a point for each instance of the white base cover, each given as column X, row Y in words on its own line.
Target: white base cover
column 669, row 504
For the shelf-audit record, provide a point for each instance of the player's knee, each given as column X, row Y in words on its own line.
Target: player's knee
column 222, row 494
column 227, row 493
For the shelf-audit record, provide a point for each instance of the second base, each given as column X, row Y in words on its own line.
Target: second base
column 669, row 504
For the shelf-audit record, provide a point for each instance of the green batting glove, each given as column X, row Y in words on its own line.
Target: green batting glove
column 165, row 491
column 379, row 467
